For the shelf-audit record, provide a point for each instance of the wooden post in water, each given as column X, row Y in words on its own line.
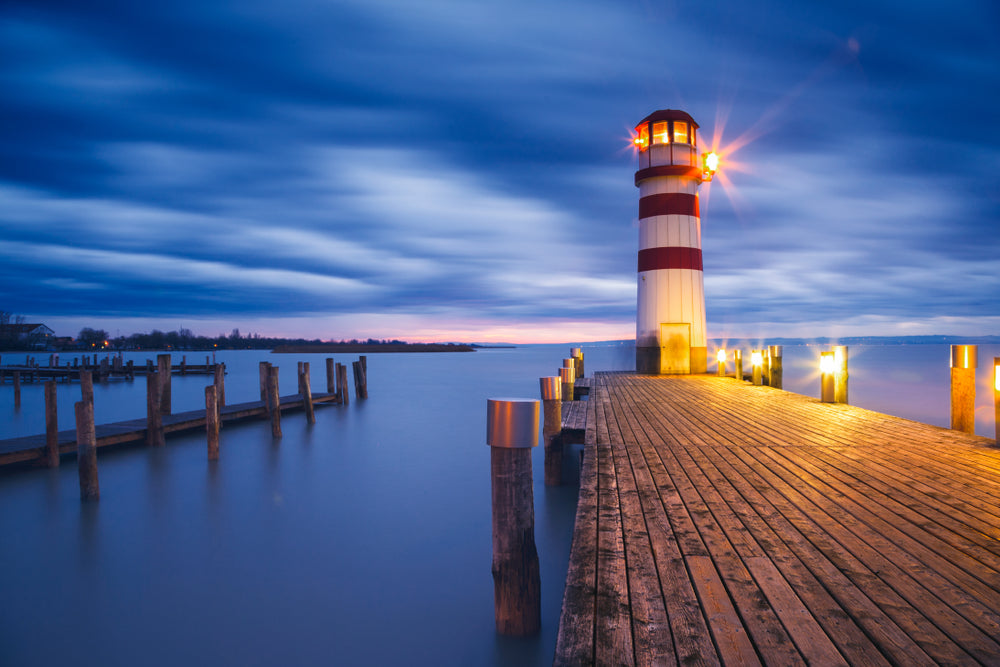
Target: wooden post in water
column 219, row 380
column 964, row 360
column 568, row 378
column 212, row 422
column 577, row 354
column 552, row 428
column 756, row 365
column 840, row 374
column 51, row 426
column 154, row 418
column 364, row 364
column 331, row 383
column 511, row 432
column 86, row 451
column 777, row 371
column 87, row 386
column 163, row 370
column 307, row 396
column 17, row 390
column 262, row 369
column 342, row 391
column 738, row 364
column 275, row 401
column 360, row 380
column 184, row 364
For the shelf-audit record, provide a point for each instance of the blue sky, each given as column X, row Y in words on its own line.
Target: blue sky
column 461, row 170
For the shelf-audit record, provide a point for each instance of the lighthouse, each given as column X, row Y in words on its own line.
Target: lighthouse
column 670, row 315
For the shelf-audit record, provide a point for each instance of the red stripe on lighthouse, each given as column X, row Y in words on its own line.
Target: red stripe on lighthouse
column 673, row 257
column 669, row 203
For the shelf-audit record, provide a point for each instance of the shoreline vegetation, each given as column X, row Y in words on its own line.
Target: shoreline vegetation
column 372, row 348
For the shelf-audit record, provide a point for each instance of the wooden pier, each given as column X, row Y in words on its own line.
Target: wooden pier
column 724, row 523
column 32, row 448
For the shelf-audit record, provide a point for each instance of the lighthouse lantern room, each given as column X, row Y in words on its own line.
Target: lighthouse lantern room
column 670, row 319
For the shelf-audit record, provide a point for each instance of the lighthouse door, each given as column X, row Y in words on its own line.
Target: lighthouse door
column 675, row 348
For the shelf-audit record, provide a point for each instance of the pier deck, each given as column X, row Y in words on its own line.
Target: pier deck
column 32, row 447
column 722, row 523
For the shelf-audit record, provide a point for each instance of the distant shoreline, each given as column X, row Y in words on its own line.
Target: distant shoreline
column 371, row 348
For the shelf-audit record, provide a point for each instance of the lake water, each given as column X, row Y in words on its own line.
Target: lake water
column 361, row 540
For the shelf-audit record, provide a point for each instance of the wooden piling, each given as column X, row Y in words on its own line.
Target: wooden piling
column 964, row 360
column 212, row 422
column 720, row 359
column 307, row 397
column 51, row 426
column 163, row 369
column 342, row 393
column 765, row 369
column 551, row 388
column 512, row 430
column 87, row 386
column 219, row 380
column 738, row 364
column 264, row 374
column 577, row 354
column 840, row 374
column 360, row 380
column 86, row 451
column 17, row 390
column 184, row 363
column 777, row 372
column 154, row 417
column 274, row 401
column 331, row 385
column 756, row 363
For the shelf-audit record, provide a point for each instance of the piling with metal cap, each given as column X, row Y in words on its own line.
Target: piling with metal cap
column 738, row 364
column 765, row 356
column 757, row 363
column 552, row 428
column 964, row 360
column 511, row 432
column 827, row 377
column 776, row 367
column 577, row 354
column 568, row 377
column 840, row 374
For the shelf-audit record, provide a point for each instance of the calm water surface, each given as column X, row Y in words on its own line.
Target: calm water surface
column 361, row 540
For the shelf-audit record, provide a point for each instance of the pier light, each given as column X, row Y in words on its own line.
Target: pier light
column 721, row 356
column 996, row 373
column 756, row 358
column 827, row 369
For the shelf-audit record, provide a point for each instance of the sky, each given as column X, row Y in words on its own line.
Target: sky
column 462, row 171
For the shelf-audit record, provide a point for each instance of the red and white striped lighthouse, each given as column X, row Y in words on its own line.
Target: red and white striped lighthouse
column 670, row 318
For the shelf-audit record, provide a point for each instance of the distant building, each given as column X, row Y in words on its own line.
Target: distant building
column 35, row 334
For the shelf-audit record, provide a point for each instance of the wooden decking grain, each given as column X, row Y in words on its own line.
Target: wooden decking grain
column 722, row 523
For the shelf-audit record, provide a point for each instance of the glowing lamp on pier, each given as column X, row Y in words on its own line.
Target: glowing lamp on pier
column 996, row 373
column 756, row 358
column 721, row 358
column 670, row 332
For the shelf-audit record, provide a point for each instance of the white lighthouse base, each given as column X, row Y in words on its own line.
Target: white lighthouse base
column 650, row 361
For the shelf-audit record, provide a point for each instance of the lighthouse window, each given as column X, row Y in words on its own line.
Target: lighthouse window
column 661, row 133
column 694, row 136
column 680, row 132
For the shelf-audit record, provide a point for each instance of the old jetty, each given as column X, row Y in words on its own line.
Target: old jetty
column 725, row 523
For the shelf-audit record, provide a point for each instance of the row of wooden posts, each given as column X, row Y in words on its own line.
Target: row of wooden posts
column 511, row 432
column 159, row 404
column 964, row 362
